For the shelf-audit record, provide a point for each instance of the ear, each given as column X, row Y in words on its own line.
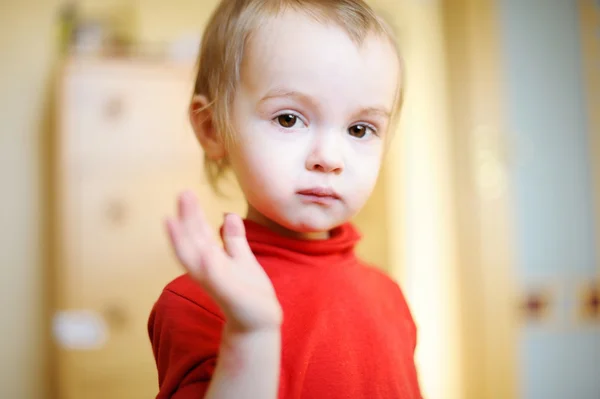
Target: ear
column 201, row 118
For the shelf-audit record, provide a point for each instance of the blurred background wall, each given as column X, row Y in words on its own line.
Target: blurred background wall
column 29, row 51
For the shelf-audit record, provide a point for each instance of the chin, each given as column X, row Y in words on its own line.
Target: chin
column 313, row 224
column 305, row 220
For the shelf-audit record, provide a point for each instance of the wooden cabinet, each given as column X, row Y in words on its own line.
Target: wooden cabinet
column 132, row 114
column 124, row 150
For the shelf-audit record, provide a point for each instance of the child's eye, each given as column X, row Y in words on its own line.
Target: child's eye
column 288, row 121
column 360, row 131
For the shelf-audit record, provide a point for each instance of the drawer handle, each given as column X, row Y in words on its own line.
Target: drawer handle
column 113, row 110
column 116, row 212
column 116, row 317
column 536, row 306
column 589, row 302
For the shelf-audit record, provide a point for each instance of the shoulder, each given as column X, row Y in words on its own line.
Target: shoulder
column 391, row 302
column 387, row 289
column 186, row 292
column 373, row 275
column 184, row 317
column 183, row 304
column 185, row 328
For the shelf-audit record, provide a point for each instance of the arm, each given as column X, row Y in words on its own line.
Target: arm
column 187, row 332
column 248, row 365
column 249, row 356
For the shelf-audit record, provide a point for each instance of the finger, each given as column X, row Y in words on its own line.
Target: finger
column 234, row 238
column 194, row 220
column 203, row 263
column 214, row 270
column 183, row 246
column 207, row 265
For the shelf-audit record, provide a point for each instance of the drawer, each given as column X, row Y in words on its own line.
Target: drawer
column 123, row 261
column 119, row 221
column 125, row 115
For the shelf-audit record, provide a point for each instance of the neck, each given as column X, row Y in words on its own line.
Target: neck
column 261, row 219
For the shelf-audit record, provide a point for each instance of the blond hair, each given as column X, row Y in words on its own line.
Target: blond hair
column 227, row 34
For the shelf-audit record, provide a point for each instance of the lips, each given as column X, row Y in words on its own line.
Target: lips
column 319, row 195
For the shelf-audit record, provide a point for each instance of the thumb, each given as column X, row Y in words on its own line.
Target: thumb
column 234, row 237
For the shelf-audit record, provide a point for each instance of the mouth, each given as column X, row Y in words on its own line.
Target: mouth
column 319, row 195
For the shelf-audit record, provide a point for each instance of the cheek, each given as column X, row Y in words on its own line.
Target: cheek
column 262, row 168
column 364, row 174
column 248, row 166
column 266, row 152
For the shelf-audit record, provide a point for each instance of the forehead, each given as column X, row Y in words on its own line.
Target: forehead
column 295, row 51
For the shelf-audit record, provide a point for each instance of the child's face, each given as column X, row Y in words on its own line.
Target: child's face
column 310, row 117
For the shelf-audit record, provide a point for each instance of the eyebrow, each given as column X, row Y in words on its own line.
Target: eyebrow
column 303, row 98
column 379, row 111
column 285, row 93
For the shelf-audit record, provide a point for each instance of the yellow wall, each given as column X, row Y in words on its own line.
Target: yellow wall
column 590, row 25
column 426, row 218
column 27, row 58
column 26, row 52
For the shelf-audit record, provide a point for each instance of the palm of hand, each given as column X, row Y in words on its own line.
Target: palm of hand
column 230, row 275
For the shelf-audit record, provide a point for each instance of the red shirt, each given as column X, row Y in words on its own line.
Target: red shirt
column 347, row 330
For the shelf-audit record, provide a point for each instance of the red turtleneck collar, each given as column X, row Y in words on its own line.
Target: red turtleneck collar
column 338, row 248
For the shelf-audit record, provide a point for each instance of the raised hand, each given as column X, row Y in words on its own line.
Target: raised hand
column 230, row 274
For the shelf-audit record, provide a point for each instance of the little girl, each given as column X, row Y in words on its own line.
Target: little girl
column 298, row 98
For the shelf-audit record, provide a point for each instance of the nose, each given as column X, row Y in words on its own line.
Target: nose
column 326, row 154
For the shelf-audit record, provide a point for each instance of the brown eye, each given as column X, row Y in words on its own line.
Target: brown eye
column 287, row 120
column 358, row 131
